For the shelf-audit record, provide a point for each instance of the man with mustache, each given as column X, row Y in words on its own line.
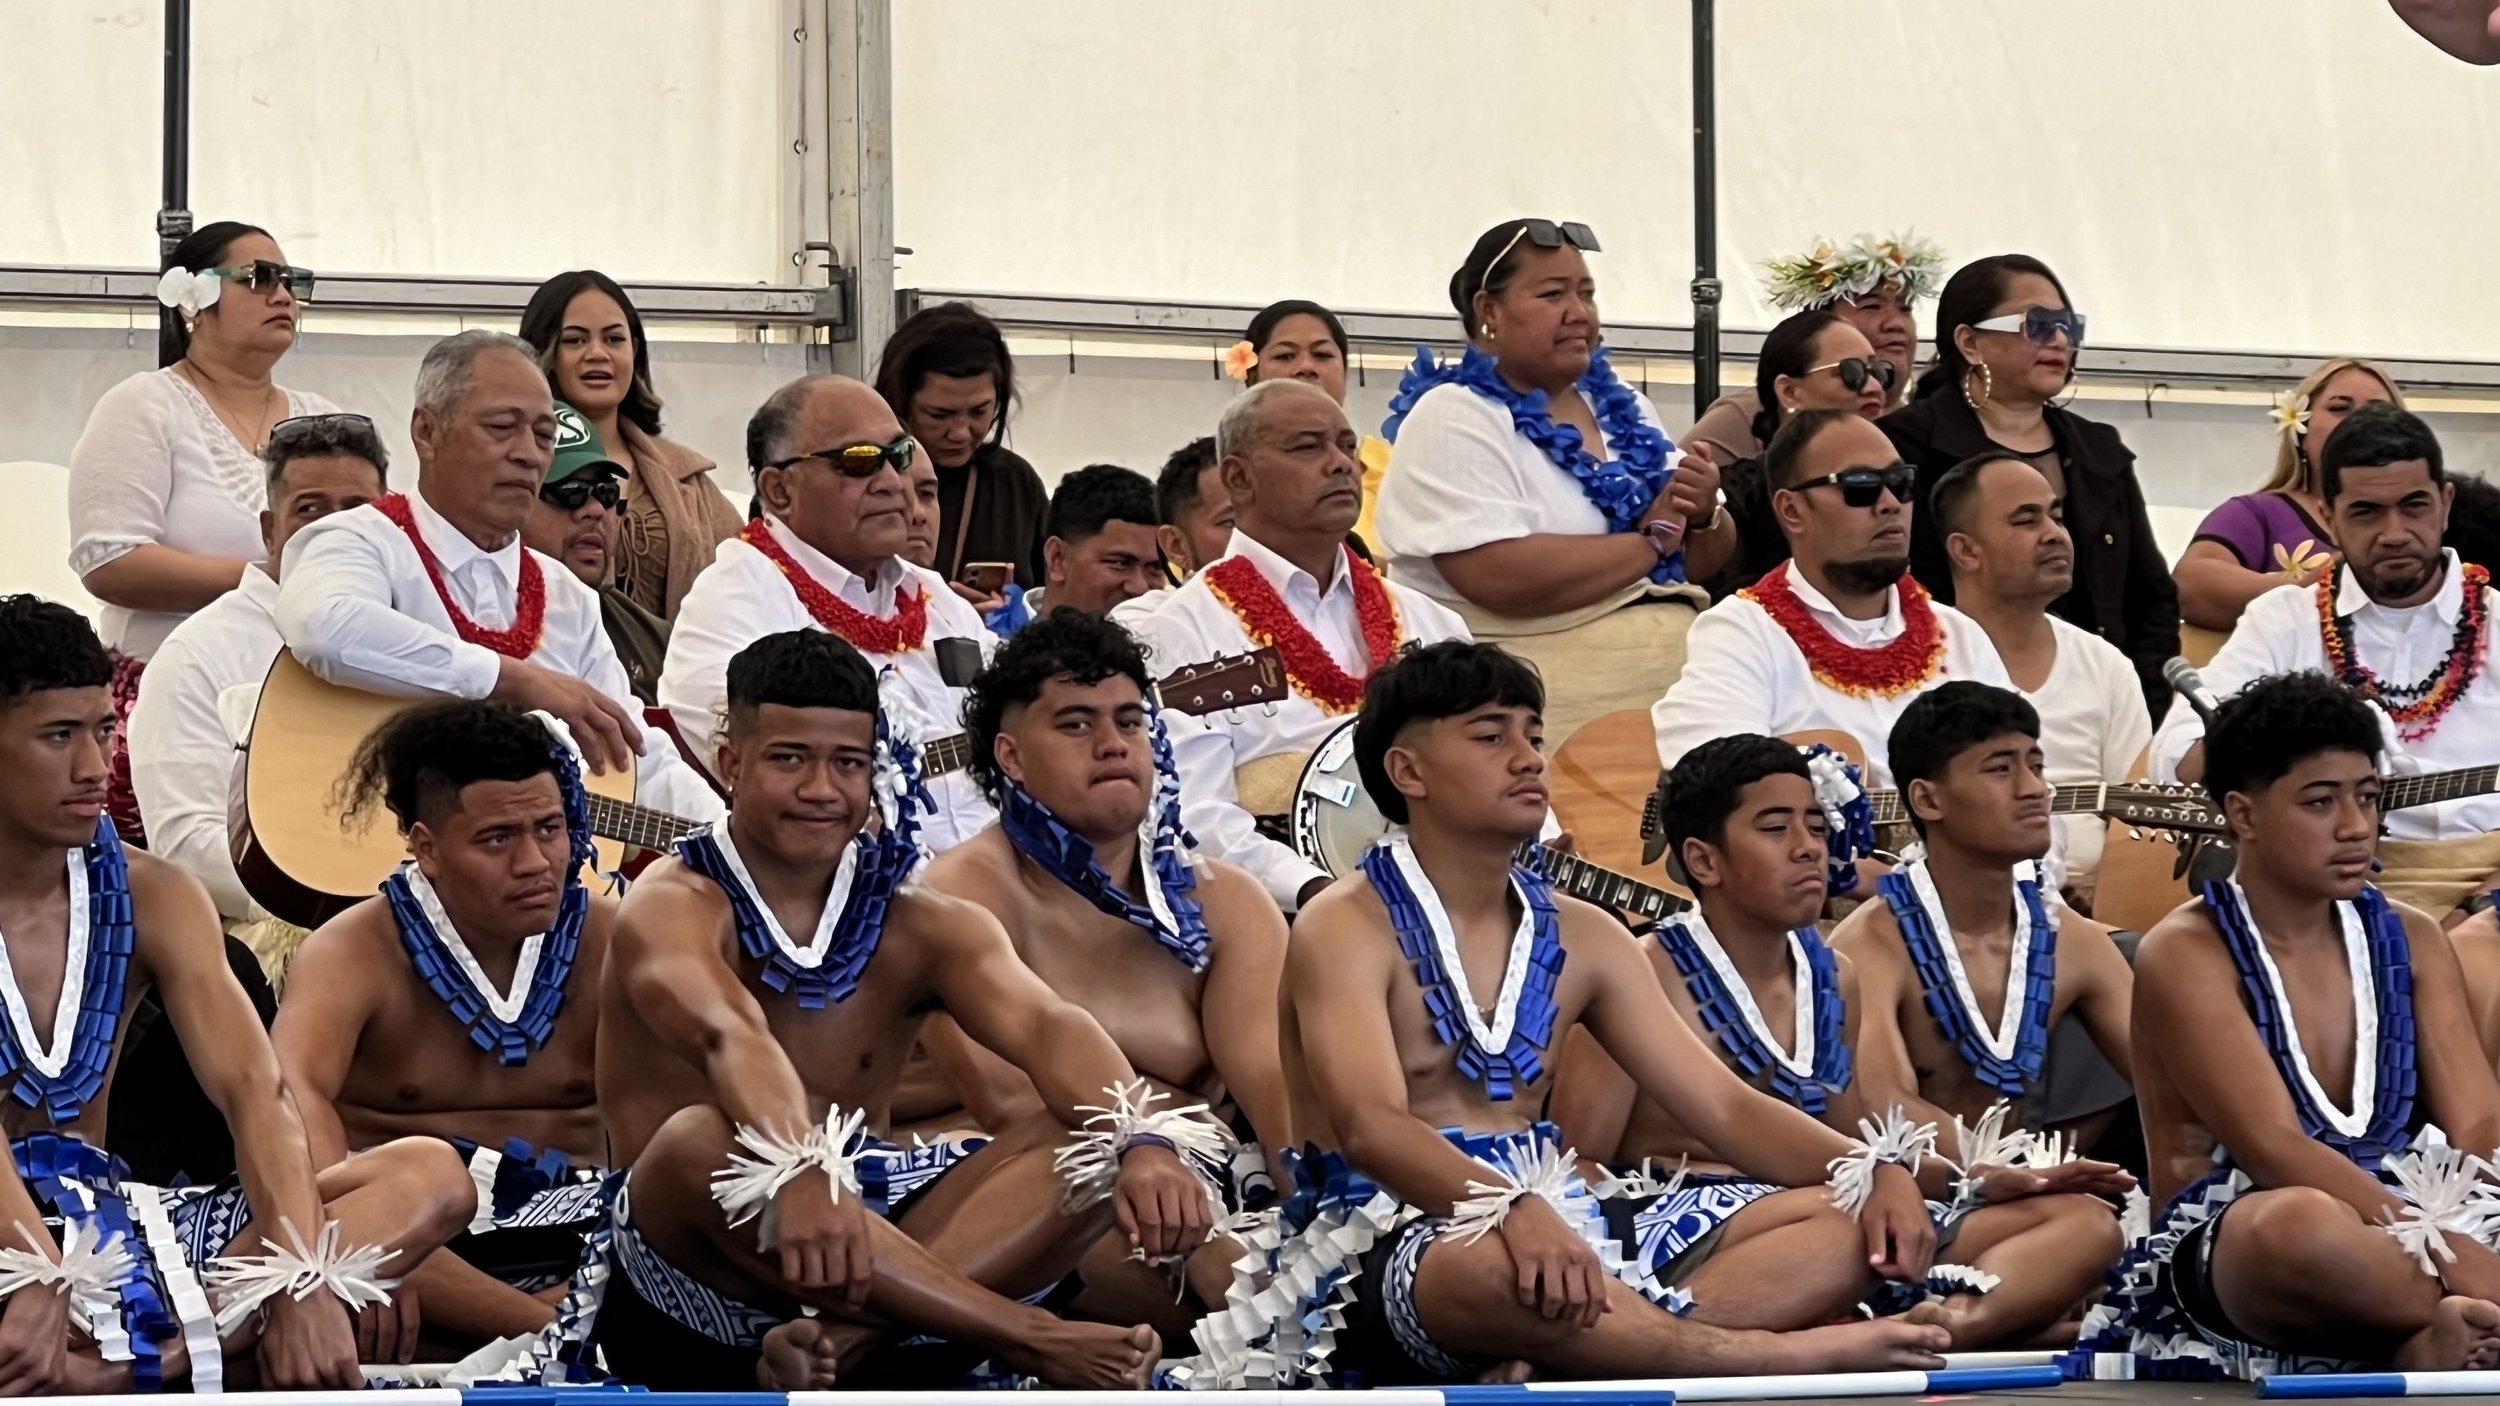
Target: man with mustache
column 574, row 521
column 2405, row 624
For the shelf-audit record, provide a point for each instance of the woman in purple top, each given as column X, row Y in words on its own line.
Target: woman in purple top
column 2277, row 535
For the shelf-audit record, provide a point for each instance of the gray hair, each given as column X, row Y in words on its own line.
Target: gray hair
column 1246, row 416
column 768, row 429
column 331, row 436
column 443, row 377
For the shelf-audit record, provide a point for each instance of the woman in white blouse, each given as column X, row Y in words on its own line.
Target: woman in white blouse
column 1537, row 495
column 166, row 485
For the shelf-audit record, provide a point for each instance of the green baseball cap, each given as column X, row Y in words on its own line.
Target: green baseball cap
column 578, row 447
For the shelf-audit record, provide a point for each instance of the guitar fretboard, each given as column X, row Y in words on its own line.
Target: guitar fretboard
column 634, row 825
column 2082, row 798
column 2405, row 792
column 1601, row 886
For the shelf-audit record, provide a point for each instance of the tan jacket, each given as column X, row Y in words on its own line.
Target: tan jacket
column 674, row 517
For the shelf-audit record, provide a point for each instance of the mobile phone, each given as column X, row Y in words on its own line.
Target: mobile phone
column 988, row 577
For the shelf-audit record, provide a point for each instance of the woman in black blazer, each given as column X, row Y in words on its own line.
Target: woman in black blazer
column 2006, row 340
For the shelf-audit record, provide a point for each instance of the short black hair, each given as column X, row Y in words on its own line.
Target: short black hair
column 1948, row 720
column 1949, row 503
column 1067, row 643
column 1426, row 684
column 1780, row 456
column 323, row 437
column 951, row 339
column 1177, row 488
column 800, row 669
column 2377, row 434
column 46, row 645
column 419, row 761
column 1098, row 494
column 2474, row 521
column 1701, row 789
column 2260, row 733
column 1263, row 327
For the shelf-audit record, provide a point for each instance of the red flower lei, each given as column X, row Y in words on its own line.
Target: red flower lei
column 529, row 614
column 899, row 633
column 1270, row 624
column 1905, row 663
column 2416, row 708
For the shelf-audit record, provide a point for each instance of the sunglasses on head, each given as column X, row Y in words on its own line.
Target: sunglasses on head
column 261, row 275
column 2039, row 325
column 860, row 460
column 1863, row 488
column 1855, row 371
column 1544, row 234
column 339, row 418
column 573, row 492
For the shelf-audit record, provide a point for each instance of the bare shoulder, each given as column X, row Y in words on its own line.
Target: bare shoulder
column 598, row 927
column 2184, row 946
column 2077, row 933
column 1236, row 905
column 941, row 924
column 356, row 936
column 669, row 897
column 1869, row 932
column 161, row 884
column 2476, row 941
column 2425, row 937
column 1344, row 929
column 1845, row 976
column 981, row 869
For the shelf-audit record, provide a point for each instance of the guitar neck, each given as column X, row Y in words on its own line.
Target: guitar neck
column 1601, row 886
column 635, row 825
column 2429, row 789
column 2081, row 798
column 950, row 753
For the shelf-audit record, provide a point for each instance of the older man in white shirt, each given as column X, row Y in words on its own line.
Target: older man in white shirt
column 196, row 699
column 1839, row 639
column 2393, row 621
column 1286, row 580
column 830, row 465
column 432, row 592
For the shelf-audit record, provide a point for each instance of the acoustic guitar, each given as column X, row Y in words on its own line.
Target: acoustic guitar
column 305, row 859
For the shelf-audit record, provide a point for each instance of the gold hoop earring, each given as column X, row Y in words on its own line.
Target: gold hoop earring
column 1987, row 386
column 1484, row 332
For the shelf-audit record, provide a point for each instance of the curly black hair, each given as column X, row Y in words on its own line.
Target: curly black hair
column 2260, row 733
column 1700, row 791
column 417, row 764
column 1068, row 644
column 1435, row 681
column 46, row 645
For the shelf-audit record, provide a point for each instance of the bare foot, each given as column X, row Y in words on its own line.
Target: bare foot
column 797, row 1356
column 2463, row 1334
column 1939, row 1313
column 1511, row 1373
column 1083, row 1356
column 1879, row 1344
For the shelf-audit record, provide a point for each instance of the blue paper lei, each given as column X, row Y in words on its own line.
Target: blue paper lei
column 509, row 1041
column 1069, row 857
column 2017, row 1074
column 2391, row 972
column 1725, row 1017
column 57, row 1168
column 63, row 1096
column 1848, row 814
column 1621, row 488
column 1500, row 1072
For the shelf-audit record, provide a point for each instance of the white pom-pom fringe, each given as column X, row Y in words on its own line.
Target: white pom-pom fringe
column 248, row 1281
column 1944, row 1279
column 87, row 1270
column 1638, row 1182
column 1090, row 1162
column 2446, row 1192
column 2135, row 1216
column 1546, row 1173
column 746, row 1187
column 1893, row 1139
column 1989, row 1144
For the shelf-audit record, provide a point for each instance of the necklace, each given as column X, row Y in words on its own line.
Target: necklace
column 60, row 1075
column 272, row 401
column 507, row 1024
column 1498, row 1047
column 1817, row 1062
column 1169, row 913
column 899, row 633
column 519, row 640
column 828, row 966
column 2416, row 707
column 1271, row 624
column 1903, row 664
column 2007, row 1053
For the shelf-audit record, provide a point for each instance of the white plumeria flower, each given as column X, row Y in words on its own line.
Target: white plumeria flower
column 2291, row 414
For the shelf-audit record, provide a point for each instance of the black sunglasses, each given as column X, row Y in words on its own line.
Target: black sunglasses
column 1544, row 234
column 1854, row 371
column 570, row 494
column 1862, row 488
column 261, row 275
column 860, row 460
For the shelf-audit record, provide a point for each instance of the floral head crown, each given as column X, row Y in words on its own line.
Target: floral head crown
column 1826, row 275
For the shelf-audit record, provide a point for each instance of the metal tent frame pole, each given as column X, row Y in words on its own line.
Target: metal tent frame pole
column 1705, row 210
column 173, row 219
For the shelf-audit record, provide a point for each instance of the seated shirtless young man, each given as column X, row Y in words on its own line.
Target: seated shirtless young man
column 68, row 890
column 737, row 1066
column 462, row 1004
column 1177, row 955
column 1748, row 973
column 1424, row 999
column 2294, row 1033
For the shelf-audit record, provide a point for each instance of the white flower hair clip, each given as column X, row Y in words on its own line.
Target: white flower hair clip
column 2291, row 414
column 187, row 292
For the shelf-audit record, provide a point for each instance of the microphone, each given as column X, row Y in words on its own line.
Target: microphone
column 2190, row 685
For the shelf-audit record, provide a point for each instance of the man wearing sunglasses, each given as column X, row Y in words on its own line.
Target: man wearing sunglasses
column 832, row 470
column 1838, row 640
column 574, row 521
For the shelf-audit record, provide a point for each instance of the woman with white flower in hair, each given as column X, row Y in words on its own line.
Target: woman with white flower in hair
column 2251, row 544
column 166, row 485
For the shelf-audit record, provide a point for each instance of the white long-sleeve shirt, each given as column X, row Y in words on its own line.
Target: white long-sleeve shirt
column 2279, row 634
column 2092, row 728
column 1742, row 673
column 742, row 597
column 1192, row 627
column 195, row 707
column 356, row 607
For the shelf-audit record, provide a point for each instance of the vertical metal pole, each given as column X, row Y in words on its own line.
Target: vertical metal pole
column 859, row 161
column 1705, row 211
column 173, row 221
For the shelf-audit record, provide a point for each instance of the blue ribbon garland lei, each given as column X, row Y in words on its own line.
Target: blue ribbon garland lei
column 1621, row 488
column 110, row 936
column 509, row 1041
column 1502, row 1071
column 51, row 1165
column 2391, row 973
column 1726, row 1021
column 1848, row 828
column 2014, row 1076
column 1069, row 857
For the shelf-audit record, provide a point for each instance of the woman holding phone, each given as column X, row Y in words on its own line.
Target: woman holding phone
column 949, row 379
